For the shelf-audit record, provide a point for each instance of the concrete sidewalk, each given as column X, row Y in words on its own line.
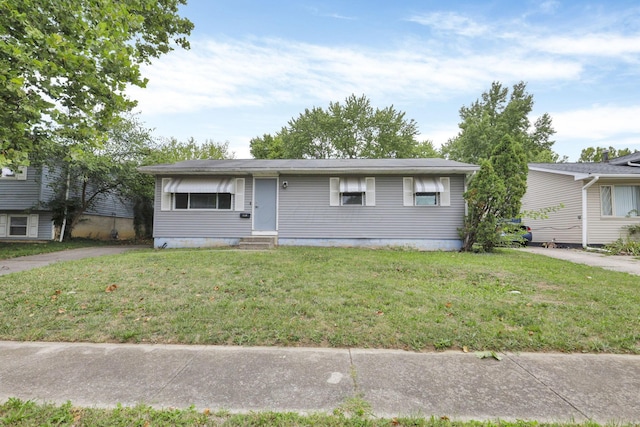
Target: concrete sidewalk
column 14, row 265
column 527, row 386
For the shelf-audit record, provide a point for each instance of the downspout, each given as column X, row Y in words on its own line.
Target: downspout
column 584, row 209
column 66, row 199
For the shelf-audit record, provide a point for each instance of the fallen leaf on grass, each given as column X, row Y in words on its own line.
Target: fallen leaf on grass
column 448, row 305
column 61, row 311
column 111, row 288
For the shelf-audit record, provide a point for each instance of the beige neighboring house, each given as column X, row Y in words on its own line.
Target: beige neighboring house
column 600, row 200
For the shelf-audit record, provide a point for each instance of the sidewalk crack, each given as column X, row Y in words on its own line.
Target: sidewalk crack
column 172, row 378
column 548, row 387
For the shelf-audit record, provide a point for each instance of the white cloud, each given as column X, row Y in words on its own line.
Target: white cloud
column 598, row 123
column 451, row 22
column 601, row 44
column 215, row 74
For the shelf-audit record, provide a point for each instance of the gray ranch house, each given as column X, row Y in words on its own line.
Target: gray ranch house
column 600, row 200
column 333, row 202
column 24, row 215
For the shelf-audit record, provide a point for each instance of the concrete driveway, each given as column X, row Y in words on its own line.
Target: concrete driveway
column 625, row 264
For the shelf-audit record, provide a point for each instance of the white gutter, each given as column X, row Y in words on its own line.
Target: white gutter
column 584, row 209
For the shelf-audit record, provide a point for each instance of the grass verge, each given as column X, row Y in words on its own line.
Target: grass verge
column 327, row 297
column 16, row 412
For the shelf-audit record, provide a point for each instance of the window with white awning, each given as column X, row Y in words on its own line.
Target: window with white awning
column 426, row 191
column 200, row 185
column 202, row 193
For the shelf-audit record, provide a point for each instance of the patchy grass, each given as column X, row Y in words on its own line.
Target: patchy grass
column 17, row 249
column 327, row 297
column 27, row 413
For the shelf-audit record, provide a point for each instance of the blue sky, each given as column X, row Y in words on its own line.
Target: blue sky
column 254, row 65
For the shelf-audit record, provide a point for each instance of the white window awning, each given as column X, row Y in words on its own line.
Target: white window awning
column 428, row 185
column 200, row 185
column 353, row 185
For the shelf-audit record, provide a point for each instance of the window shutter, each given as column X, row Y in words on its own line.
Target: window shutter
column 370, row 197
column 239, row 195
column 407, row 191
column 3, row 225
column 33, row 225
column 334, row 191
column 165, row 200
column 21, row 173
column 445, row 196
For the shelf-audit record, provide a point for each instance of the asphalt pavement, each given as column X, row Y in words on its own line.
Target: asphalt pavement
column 14, row 265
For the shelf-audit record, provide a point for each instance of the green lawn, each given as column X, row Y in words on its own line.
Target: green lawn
column 327, row 297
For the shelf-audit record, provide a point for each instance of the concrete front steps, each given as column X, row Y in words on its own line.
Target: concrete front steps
column 258, row 242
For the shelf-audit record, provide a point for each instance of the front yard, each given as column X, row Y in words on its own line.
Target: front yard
column 327, row 297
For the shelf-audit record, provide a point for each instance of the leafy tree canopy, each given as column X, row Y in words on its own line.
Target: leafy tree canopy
column 496, row 114
column 64, row 66
column 592, row 154
column 353, row 129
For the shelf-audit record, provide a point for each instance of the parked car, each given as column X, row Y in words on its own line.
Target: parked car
column 515, row 232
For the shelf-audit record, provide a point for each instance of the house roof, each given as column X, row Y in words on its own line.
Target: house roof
column 311, row 166
column 621, row 167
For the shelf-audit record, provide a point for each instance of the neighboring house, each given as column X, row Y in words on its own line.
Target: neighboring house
column 600, row 200
column 24, row 214
column 336, row 202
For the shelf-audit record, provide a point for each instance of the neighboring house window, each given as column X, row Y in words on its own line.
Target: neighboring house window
column 202, row 201
column 620, row 200
column 19, row 225
column 352, row 191
column 426, row 191
column 202, row 193
column 17, row 174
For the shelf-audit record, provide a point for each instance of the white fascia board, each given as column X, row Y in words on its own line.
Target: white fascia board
column 310, row 171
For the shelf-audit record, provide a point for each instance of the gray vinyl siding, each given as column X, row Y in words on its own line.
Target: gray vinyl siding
column 602, row 230
column 21, row 195
column 304, row 212
column 45, row 226
column 201, row 224
column 545, row 190
column 111, row 205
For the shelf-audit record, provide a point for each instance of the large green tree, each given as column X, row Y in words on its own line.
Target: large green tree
column 65, row 64
column 595, row 154
column 496, row 114
column 353, row 129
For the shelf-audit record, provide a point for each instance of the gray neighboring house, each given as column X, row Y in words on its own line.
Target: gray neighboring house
column 600, row 200
column 24, row 194
column 334, row 202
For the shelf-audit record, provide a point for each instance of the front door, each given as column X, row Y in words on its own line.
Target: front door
column 265, row 204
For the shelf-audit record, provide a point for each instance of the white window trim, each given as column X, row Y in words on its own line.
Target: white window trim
column 409, row 195
column 32, row 225
column 368, row 196
column 237, row 199
column 612, row 195
column 20, row 174
column 189, row 208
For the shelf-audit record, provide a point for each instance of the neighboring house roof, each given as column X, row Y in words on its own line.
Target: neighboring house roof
column 311, row 166
column 621, row 167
